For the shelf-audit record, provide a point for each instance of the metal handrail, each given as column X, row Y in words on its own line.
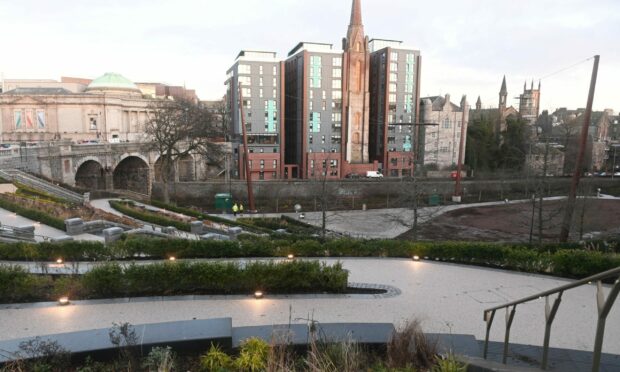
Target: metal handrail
column 604, row 307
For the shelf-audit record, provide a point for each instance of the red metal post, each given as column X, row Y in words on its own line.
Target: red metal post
column 572, row 196
column 246, row 160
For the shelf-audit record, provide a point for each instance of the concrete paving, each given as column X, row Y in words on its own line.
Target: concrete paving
column 447, row 298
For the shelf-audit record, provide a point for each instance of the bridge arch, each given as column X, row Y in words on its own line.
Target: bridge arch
column 90, row 175
column 132, row 173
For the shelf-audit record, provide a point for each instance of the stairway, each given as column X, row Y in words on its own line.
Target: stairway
column 41, row 185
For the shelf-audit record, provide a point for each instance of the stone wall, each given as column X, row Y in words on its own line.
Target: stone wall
column 354, row 193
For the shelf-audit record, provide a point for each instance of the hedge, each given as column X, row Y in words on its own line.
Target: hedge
column 33, row 214
column 561, row 260
column 30, row 193
column 146, row 216
column 112, row 280
column 208, row 217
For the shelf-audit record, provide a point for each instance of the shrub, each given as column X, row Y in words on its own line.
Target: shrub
column 215, row 360
column 253, row 355
column 142, row 215
column 32, row 214
column 16, row 285
column 102, row 281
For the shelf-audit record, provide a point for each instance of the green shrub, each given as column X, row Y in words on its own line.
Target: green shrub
column 253, row 355
column 103, row 281
column 30, row 193
column 16, row 285
column 215, row 360
column 33, row 214
column 143, row 215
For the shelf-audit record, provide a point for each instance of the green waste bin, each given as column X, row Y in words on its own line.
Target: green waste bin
column 223, row 202
column 434, row 200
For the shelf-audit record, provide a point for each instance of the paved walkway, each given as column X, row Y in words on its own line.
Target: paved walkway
column 447, row 298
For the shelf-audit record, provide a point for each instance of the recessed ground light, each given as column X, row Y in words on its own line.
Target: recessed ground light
column 59, row 261
column 63, row 301
column 291, row 256
column 172, row 258
column 416, row 258
column 258, row 294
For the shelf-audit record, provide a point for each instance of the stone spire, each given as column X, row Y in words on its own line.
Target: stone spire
column 356, row 13
column 504, row 90
column 478, row 103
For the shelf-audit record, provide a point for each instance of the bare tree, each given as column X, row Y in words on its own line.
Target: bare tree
column 176, row 129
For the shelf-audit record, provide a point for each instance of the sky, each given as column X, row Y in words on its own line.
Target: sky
column 466, row 45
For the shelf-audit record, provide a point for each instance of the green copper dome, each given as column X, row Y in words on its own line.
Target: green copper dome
column 112, row 81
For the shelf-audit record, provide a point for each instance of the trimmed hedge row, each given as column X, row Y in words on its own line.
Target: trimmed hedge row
column 561, row 260
column 33, row 214
column 30, row 193
column 143, row 215
column 176, row 278
column 203, row 216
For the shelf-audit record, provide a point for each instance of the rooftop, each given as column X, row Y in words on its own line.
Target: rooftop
column 38, row 91
column 112, row 81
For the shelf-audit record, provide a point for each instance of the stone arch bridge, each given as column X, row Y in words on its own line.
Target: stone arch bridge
column 123, row 166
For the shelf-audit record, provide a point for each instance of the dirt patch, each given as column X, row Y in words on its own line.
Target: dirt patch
column 513, row 222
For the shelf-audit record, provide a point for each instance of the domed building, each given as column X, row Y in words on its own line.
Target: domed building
column 110, row 108
column 113, row 83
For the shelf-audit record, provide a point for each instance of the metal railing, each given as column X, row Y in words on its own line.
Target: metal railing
column 604, row 307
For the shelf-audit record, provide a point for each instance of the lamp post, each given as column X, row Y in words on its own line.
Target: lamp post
column 613, row 167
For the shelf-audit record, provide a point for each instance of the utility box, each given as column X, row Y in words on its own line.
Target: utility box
column 434, row 200
column 223, row 202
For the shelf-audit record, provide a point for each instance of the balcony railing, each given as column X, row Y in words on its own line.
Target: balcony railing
column 604, row 307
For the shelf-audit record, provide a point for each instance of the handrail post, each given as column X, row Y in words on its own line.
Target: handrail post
column 604, row 306
column 489, row 319
column 509, row 318
column 549, row 317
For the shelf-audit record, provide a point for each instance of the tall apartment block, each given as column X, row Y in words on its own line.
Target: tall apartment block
column 337, row 109
column 259, row 75
column 394, row 106
column 314, row 122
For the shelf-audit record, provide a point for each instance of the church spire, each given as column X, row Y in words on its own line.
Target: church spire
column 504, row 90
column 356, row 13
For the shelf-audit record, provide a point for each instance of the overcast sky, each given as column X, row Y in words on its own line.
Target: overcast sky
column 466, row 45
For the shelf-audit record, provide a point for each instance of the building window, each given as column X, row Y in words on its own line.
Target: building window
column 394, row 56
column 392, row 87
column 260, row 80
column 337, row 62
column 392, row 98
column 262, row 164
column 393, row 67
column 336, row 117
column 337, row 73
column 408, row 103
column 244, row 80
column 246, row 92
column 260, row 92
column 447, row 124
column 322, row 140
column 337, row 94
column 336, row 140
column 275, row 71
column 247, row 104
column 275, row 82
column 248, row 127
column 310, row 139
column 393, row 77
column 275, row 164
column 260, row 71
column 315, row 71
column 315, row 122
column 336, row 84
column 245, row 69
column 93, row 123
